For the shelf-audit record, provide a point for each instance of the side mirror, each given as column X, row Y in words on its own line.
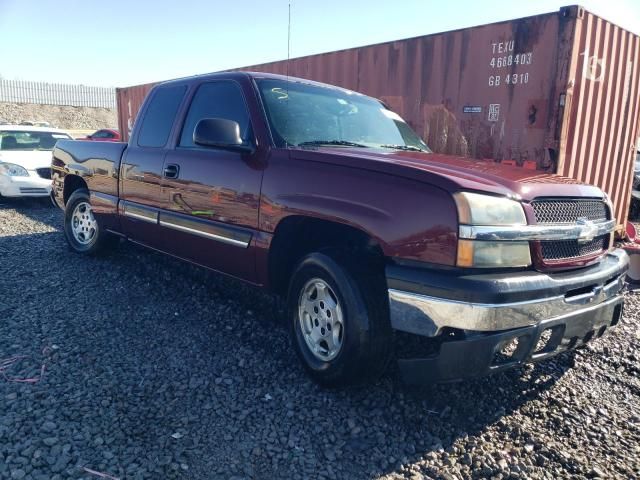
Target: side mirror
column 220, row 133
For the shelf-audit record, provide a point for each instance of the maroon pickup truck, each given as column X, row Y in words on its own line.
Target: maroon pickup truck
column 328, row 198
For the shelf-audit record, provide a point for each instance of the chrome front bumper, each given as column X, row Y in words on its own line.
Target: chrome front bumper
column 552, row 296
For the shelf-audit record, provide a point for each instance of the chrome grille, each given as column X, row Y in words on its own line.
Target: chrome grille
column 570, row 249
column 569, row 211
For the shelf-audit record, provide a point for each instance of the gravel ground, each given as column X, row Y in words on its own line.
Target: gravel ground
column 60, row 116
column 156, row 369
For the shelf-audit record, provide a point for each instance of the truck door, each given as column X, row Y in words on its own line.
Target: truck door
column 141, row 172
column 212, row 194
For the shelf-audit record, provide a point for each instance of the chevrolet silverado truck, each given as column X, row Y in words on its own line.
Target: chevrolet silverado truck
column 329, row 199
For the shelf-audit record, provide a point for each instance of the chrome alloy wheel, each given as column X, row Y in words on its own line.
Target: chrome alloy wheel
column 321, row 319
column 83, row 224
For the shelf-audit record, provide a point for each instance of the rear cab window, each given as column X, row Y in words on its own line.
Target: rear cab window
column 160, row 115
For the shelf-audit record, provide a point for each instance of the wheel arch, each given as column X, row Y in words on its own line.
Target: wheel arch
column 71, row 184
column 298, row 235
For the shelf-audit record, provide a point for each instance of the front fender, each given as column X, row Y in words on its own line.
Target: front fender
column 408, row 219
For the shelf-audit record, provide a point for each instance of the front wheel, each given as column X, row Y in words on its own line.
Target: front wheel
column 81, row 228
column 339, row 321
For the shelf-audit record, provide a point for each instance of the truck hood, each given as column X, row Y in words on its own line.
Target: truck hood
column 455, row 173
column 29, row 159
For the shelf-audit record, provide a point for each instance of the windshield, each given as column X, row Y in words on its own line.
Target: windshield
column 301, row 114
column 27, row 140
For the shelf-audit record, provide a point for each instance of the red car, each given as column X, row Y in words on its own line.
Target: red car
column 103, row 135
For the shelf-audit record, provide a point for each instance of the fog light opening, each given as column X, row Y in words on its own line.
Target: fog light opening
column 549, row 339
column 506, row 351
column 543, row 341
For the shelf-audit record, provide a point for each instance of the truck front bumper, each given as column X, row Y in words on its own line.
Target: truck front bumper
column 484, row 323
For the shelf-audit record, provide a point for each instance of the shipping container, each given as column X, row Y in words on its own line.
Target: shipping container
column 555, row 92
column 128, row 102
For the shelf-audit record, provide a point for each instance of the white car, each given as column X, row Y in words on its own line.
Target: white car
column 25, row 159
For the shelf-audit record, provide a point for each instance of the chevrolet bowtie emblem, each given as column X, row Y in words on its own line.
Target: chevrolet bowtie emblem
column 588, row 230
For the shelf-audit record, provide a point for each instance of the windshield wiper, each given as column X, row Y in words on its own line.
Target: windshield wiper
column 343, row 143
column 408, row 148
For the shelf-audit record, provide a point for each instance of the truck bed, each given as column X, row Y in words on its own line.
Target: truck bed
column 96, row 163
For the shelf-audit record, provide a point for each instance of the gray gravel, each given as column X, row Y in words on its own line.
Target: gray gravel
column 156, row 369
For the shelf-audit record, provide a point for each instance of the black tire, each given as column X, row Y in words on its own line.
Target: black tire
column 100, row 241
column 367, row 337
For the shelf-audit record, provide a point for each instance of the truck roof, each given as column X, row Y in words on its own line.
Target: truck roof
column 257, row 75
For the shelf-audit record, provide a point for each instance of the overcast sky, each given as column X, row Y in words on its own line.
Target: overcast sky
column 120, row 43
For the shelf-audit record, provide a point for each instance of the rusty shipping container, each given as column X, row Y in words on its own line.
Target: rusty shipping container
column 554, row 92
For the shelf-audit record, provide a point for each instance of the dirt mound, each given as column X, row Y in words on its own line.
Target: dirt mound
column 60, row 116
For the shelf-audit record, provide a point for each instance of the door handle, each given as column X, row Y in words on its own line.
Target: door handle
column 172, row 171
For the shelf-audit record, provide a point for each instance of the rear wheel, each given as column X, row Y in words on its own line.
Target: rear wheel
column 339, row 322
column 81, row 228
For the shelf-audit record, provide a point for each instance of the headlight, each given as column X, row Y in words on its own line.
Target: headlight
column 484, row 210
column 477, row 209
column 13, row 170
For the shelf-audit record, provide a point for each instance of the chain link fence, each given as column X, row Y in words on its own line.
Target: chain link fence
column 18, row 91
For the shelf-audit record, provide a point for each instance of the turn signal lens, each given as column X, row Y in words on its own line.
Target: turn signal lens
column 480, row 254
column 465, row 253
